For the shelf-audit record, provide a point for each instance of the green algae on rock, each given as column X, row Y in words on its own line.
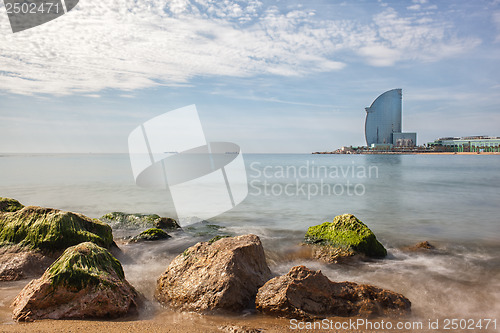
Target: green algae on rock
column 151, row 234
column 10, row 205
column 86, row 281
column 51, row 230
column 348, row 233
column 120, row 220
column 216, row 238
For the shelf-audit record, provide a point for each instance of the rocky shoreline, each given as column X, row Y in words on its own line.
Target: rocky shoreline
column 78, row 275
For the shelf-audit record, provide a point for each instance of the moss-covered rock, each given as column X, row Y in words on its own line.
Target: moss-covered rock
column 86, row 281
column 51, row 230
column 10, row 205
column 120, row 220
column 151, row 234
column 347, row 233
column 166, row 223
column 206, row 230
column 84, row 264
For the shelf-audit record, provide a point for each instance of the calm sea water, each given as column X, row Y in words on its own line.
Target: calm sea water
column 451, row 200
column 401, row 197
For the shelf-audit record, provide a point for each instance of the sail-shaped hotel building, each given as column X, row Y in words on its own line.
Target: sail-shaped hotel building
column 383, row 121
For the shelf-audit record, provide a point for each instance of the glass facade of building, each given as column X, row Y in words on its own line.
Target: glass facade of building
column 383, row 118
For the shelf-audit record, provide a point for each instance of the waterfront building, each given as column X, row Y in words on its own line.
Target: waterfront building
column 479, row 143
column 383, row 122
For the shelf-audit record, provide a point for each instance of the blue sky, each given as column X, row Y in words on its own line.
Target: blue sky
column 271, row 76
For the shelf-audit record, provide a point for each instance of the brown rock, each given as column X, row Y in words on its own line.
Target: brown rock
column 85, row 282
column 17, row 264
column 306, row 294
column 223, row 275
column 333, row 255
column 421, row 247
column 166, row 223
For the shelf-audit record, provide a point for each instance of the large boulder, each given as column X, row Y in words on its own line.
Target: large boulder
column 344, row 237
column 120, row 220
column 85, row 282
column 220, row 276
column 307, row 294
column 51, row 230
column 10, row 205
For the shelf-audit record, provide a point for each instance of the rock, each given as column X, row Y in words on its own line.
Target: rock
column 10, row 205
column 344, row 237
column 120, row 220
column 222, row 276
column 17, row 264
column 51, row 230
column 206, row 230
column 85, row 282
column 166, row 223
column 421, row 247
column 333, row 254
column 307, row 294
column 151, row 234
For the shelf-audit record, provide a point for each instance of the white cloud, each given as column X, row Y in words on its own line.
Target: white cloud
column 412, row 38
column 134, row 44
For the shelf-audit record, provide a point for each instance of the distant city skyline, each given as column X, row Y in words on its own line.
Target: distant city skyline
column 271, row 76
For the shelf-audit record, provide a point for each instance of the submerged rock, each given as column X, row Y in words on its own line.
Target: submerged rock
column 10, row 205
column 51, row 230
column 344, row 237
column 85, row 282
column 151, row 234
column 223, row 275
column 424, row 246
column 307, row 294
column 120, row 220
column 166, row 223
column 206, row 230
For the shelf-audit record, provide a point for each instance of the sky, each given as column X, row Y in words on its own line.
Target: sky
column 271, row 76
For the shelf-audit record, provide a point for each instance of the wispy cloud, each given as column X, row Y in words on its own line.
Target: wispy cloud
column 412, row 38
column 135, row 44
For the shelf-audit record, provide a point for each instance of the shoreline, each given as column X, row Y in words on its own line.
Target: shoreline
column 155, row 318
column 409, row 153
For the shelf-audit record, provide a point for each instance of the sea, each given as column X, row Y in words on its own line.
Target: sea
column 451, row 201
